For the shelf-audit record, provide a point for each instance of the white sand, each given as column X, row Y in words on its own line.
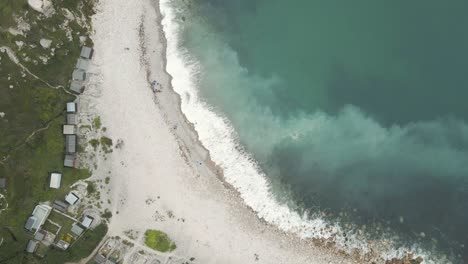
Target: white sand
column 157, row 171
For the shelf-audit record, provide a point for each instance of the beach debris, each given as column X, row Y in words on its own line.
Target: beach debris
column 2, row 114
column 45, row 43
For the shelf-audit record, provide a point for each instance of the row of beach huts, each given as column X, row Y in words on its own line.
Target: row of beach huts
column 34, row 224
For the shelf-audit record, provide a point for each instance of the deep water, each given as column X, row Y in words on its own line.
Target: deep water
column 348, row 106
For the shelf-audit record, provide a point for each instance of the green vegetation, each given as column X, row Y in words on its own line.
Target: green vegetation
column 82, row 248
column 159, row 241
column 91, row 188
column 107, row 215
column 9, row 8
column 94, row 143
column 32, row 144
column 50, row 227
column 106, row 144
column 107, row 180
column 97, row 122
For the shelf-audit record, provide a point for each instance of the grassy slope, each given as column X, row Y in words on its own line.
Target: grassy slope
column 31, row 105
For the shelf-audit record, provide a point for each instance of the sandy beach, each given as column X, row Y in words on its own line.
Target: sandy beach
column 161, row 177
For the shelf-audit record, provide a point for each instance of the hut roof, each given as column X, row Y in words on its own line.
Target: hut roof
column 70, row 143
column 55, row 179
column 59, row 205
column 39, row 236
column 30, row 223
column 99, row 259
column 76, row 229
column 87, row 220
column 69, row 129
column 71, row 198
column 71, row 119
column 71, row 107
column 82, row 64
column 2, row 182
column 77, row 86
column 79, row 75
column 31, row 247
column 38, row 217
column 69, row 161
column 86, row 52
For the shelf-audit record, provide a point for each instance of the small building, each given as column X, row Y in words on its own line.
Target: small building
column 99, row 259
column 61, row 206
column 31, row 223
column 87, row 221
column 2, row 183
column 77, row 230
column 77, row 86
column 62, row 244
column 71, row 198
column 70, row 161
column 70, row 143
column 79, row 75
column 82, row 64
column 32, row 246
column 40, row 235
column 55, row 180
column 86, row 53
column 71, row 119
column 69, row 129
column 38, row 217
column 71, row 107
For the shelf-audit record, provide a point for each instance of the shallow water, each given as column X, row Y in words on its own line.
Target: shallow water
column 353, row 109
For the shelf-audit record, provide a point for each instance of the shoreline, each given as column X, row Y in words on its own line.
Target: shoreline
column 209, row 202
column 156, row 180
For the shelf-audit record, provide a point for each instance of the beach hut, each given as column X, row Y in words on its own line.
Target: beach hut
column 87, row 221
column 69, row 161
column 55, row 179
column 70, row 144
column 82, row 64
column 79, row 75
column 2, row 183
column 77, row 86
column 71, row 198
column 69, row 129
column 38, row 217
column 99, row 259
column 63, row 244
column 71, row 107
column 59, row 205
column 86, row 52
column 71, row 119
column 31, row 223
column 77, row 230
column 40, row 235
column 32, row 246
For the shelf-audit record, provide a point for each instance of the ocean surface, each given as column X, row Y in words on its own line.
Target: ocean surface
column 330, row 117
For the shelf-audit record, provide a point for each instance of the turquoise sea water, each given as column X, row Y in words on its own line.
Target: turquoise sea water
column 353, row 108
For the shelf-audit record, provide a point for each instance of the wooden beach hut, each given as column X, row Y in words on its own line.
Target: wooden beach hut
column 70, row 144
column 86, row 52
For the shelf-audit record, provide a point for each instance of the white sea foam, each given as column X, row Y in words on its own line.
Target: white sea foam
column 240, row 170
